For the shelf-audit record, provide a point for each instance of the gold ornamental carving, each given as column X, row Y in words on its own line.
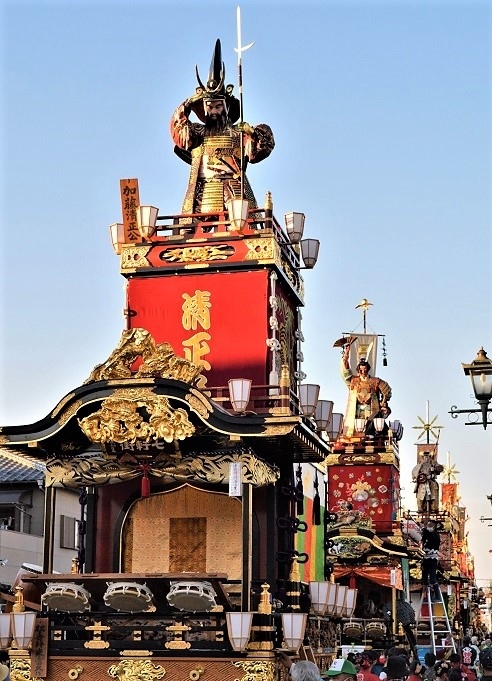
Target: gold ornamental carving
column 281, row 429
column 20, row 668
column 197, row 254
column 260, row 249
column 135, row 256
column 68, row 413
column 61, row 404
column 131, row 415
column 256, row 670
column 97, row 469
column 136, row 670
column 199, row 404
column 157, row 360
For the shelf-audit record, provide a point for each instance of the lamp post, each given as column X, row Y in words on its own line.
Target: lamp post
column 480, row 373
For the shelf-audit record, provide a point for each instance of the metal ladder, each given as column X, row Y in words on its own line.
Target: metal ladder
column 435, row 611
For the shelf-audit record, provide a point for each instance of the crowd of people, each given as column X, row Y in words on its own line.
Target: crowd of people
column 472, row 662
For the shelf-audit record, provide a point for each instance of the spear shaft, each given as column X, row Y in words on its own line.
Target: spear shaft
column 240, row 49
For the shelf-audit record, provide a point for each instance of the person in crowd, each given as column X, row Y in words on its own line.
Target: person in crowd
column 467, row 672
column 396, row 668
column 340, row 670
column 396, row 651
column 429, row 662
column 416, row 671
column 365, row 672
column 378, row 666
column 456, row 675
column 485, row 659
column 474, row 644
column 469, row 654
column 442, row 670
column 430, row 545
column 304, row 670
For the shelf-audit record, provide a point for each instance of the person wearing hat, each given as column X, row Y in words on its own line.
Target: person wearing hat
column 217, row 147
column 340, row 670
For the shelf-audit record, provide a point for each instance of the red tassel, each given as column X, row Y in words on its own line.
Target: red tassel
column 145, row 486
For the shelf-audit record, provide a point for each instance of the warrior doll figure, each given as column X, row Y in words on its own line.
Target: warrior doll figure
column 368, row 395
column 213, row 146
column 424, row 475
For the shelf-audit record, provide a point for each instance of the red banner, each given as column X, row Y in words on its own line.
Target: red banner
column 209, row 319
column 371, row 490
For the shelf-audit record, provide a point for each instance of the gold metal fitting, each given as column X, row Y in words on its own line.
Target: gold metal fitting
column 75, row 672
column 196, row 673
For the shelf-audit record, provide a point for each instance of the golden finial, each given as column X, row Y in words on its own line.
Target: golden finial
column 19, row 600
column 295, row 575
column 284, row 376
column 364, row 305
column 268, row 201
column 265, row 607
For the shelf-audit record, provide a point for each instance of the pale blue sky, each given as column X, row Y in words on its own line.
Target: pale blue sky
column 382, row 118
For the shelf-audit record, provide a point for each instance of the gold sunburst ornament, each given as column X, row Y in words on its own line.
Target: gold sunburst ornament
column 449, row 471
column 428, row 428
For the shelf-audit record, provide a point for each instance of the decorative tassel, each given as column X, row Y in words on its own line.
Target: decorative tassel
column 299, row 491
column 316, row 503
column 385, row 361
column 145, row 485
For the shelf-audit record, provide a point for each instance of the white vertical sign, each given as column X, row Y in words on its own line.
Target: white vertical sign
column 235, row 479
column 393, row 577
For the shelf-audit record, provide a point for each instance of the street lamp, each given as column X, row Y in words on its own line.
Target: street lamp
column 480, row 372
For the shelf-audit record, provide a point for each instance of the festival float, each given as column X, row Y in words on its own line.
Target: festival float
column 185, row 442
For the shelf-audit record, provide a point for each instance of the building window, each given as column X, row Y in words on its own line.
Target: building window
column 68, row 532
column 7, row 518
column 15, row 517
